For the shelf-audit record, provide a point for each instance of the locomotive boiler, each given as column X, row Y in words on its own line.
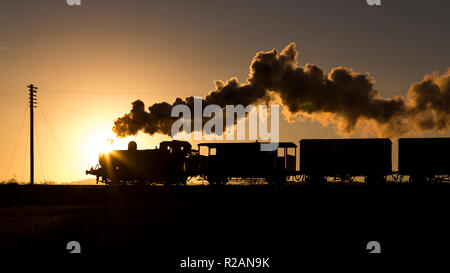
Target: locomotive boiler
column 168, row 164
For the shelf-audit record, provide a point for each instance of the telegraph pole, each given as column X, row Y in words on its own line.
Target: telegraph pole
column 33, row 98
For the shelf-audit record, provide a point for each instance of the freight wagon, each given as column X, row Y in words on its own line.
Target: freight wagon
column 346, row 158
column 424, row 159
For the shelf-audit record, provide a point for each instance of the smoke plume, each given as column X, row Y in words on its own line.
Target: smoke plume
column 343, row 96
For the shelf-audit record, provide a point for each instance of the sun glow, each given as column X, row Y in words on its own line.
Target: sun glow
column 102, row 141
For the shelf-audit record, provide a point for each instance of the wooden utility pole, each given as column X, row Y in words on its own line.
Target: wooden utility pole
column 33, row 98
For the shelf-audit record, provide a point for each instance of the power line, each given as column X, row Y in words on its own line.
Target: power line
column 181, row 93
column 25, row 157
column 119, row 93
column 10, row 94
column 17, row 143
column 39, row 152
column 56, row 141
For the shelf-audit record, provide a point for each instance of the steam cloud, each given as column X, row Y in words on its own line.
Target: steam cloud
column 342, row 96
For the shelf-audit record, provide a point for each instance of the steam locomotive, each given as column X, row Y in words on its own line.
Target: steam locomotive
column 175, row 162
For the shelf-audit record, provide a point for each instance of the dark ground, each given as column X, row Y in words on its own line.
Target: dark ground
column 165, row 224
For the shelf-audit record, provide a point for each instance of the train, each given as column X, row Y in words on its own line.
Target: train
column 423, row 160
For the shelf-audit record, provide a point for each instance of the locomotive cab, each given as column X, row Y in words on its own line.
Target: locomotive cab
column 176, row 147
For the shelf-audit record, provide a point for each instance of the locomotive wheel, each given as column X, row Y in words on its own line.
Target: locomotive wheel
column 417, row 179
column 277, row 180
column 223, row 180
column 375, row 179
column 213, row 180
column 182, row 181
column 140, row 183
column 113, row 183
column 315, row 179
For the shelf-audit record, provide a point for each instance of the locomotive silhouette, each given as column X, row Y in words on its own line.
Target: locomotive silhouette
column 175, row 162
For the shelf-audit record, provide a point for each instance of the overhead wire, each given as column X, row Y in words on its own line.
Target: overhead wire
column 56, row 141
column 113, row 93
column 25, row 156
column 39, row 151
column 15, row 146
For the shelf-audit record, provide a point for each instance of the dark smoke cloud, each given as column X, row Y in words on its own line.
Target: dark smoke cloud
column 345, row 97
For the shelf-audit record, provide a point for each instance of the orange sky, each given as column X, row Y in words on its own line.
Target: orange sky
column 91, row 62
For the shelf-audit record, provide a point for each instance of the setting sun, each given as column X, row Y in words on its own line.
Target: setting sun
column 102, row 141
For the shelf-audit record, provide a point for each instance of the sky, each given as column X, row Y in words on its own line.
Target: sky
column 91, row 61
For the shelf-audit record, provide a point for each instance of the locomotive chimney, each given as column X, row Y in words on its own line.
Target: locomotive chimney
column 132, row 146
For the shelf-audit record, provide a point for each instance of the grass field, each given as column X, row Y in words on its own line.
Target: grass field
column 171, row 222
